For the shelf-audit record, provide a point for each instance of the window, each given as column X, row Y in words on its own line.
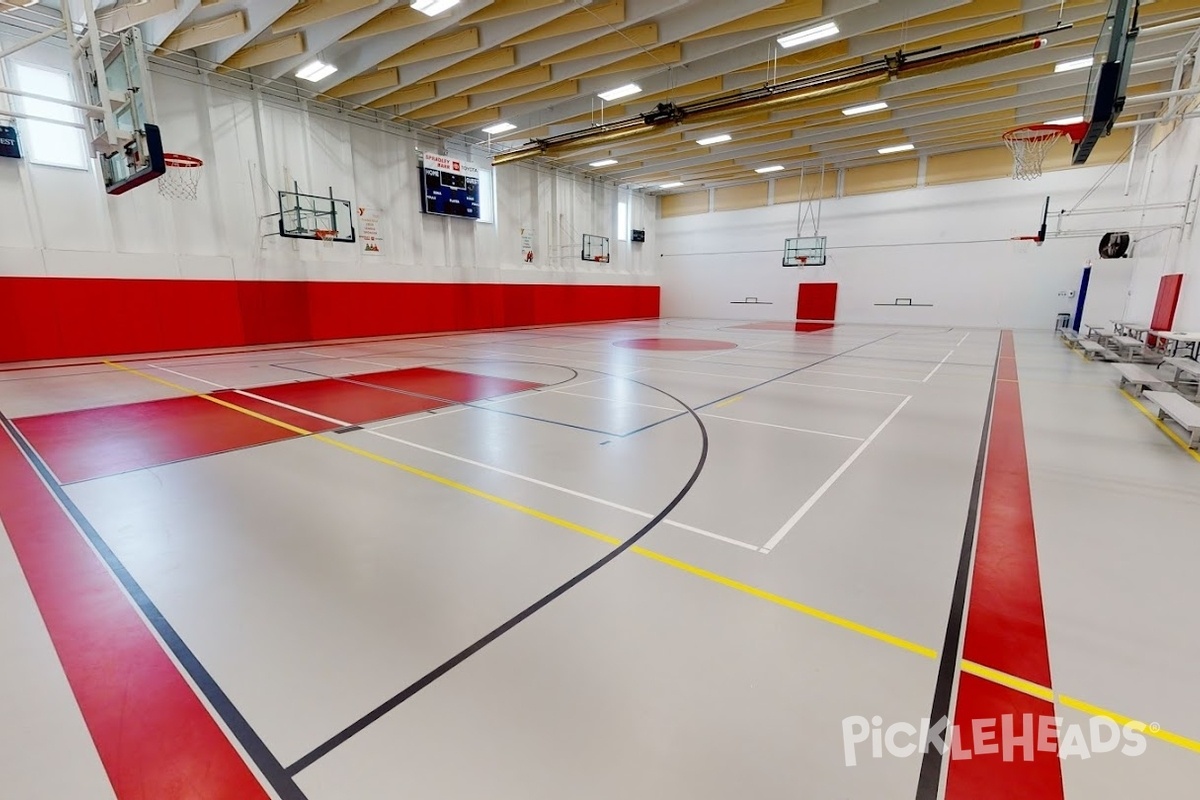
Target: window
column 487, row 196
column 622, row 221
column 50, row 143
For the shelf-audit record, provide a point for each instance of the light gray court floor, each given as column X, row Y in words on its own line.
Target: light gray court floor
column 806, row 497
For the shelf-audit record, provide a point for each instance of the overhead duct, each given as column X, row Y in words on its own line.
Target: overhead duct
column 812, row 87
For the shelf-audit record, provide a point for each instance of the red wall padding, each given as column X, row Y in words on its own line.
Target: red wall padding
column 1168, row 299
column 69, row 317
column 816, row 301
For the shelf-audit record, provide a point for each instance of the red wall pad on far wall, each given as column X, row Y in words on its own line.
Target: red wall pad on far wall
column 1168, row 299
column 816, row 306
column 43, row 318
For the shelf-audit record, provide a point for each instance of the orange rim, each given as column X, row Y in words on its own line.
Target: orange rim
column 181, row 162
column 1039, row 133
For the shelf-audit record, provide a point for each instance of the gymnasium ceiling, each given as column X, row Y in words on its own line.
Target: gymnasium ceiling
column 539, row 64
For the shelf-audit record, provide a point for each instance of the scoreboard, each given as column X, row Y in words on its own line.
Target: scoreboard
column 450, row 187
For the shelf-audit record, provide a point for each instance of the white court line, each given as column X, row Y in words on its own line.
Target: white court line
column 423, row 416
column 784, row 427
column 481, row 465
column 189, row 377
column 855, row 375
column 963, row 339
column 933, row 371
column 841, row 388
column 622, row 402
column 341, row 423
column 782, row 533
column 564, row 490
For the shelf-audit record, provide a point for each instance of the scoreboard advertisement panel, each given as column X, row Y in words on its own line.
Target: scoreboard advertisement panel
column 450, row 187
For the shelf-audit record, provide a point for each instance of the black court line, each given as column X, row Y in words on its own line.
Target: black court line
column 381, row 710
column 930, row 780
column 796, row 371
column 251, row 742
column 465, row 404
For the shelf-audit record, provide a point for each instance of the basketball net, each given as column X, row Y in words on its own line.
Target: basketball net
column 181, row 181
column 1031, row 144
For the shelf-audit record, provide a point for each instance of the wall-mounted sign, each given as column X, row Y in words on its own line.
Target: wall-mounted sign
column 368, row 231
column 9, row 146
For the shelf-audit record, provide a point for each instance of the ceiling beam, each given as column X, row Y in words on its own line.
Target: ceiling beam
column 311, row 12
column 203, row 33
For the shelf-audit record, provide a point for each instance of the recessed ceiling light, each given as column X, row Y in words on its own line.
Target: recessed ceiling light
column 432, row 8
column 765, row 170
column 502, row 127
column 674, row 185
column 854, row 111
column 619, row 92
column 607, row 162
column 724, row 137
column 315, row 71
column 1066, row 121
column 1078, row 63
column 900, row 148
column 822, row 31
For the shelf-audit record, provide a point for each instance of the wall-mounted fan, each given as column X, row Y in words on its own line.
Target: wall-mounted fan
column 1114, row 245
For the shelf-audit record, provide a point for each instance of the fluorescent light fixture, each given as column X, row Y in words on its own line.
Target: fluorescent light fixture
column 765, row 170
column 502, row 127
column 607, row 162
column 724, row 137
column 431, row 8
column 619, row 92
column 815, row 33
column 854, row 111
column 900, row 148
column 1079, row 63
column 1066, row 121
column 674, row 185
column 315, row 71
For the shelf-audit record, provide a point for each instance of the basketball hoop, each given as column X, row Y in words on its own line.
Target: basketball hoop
column 182, row 178
column 1031, row 143
column 324, row 235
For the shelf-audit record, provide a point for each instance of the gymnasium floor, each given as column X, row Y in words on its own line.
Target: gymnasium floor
column 651, row 559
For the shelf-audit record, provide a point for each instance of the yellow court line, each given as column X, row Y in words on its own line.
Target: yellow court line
column 994, row 676
column 728, row 402
column 1004, row 679
column 1148, row 729
column 1162, row 426
column 809, row 611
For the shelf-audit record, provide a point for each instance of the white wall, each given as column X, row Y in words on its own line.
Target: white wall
column 947, row 245
column 1172, row 164
column 59, row 222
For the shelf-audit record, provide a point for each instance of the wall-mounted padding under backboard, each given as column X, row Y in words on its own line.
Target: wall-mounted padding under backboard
column 816, row 306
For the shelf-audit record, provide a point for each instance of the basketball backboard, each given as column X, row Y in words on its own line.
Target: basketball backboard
column 595, row 248
column 805, row 251
column 1109, row 80
column 126, row 139
column 310, row 216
